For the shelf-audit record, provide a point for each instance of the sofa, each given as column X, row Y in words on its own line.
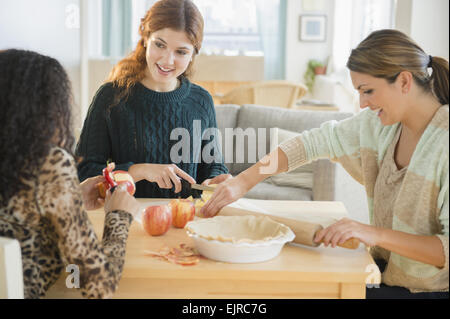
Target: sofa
column 321, row 180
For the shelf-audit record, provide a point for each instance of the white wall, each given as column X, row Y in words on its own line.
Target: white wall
column 427, row 22
column 46, row 27
column 299, row 53
column 403, row 16
column 430, row 25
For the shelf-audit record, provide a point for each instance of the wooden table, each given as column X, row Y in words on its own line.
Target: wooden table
column 298, row 272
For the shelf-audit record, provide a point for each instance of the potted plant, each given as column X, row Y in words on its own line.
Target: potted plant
column 314, row 68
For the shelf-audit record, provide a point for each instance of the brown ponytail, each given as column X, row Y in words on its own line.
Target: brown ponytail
column 386, row 53
column 439, row 79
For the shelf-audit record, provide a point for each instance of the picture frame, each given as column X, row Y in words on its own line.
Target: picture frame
column 312, row 28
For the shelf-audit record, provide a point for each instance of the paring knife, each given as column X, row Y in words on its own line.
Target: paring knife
column 202, row 187
column 195, row 189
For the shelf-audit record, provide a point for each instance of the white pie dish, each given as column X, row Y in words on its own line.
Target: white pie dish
column 239, row 239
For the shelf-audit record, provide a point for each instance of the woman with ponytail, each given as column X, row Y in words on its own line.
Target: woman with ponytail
column 398, row 148
column 148, row 102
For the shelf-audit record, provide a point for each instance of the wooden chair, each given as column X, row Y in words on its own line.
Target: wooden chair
column 270, row 93
column 11, row 276
column 217, row 89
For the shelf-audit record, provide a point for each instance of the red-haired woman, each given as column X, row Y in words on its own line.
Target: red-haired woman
column 136, row 118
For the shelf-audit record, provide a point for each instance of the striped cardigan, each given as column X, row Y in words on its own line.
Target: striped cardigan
column 359, row 144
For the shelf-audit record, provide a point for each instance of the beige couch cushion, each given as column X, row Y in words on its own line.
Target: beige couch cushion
column 257, row 116
column 227, row 115
column 302, row 176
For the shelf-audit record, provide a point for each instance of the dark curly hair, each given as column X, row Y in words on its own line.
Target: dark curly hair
column 35, row 104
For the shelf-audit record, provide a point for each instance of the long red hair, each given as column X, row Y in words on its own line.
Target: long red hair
column 179, row 15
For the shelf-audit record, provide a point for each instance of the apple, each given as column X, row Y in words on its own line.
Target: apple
column 120, row 177
column 156, row 220
column 199, row 203
column 183, row 211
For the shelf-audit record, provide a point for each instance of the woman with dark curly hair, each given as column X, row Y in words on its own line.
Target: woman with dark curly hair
column 42, row 203
column 147, row 100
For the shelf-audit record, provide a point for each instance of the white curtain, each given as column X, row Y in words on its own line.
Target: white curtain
column 272, row 27
column 354, row 20
column 116, row 28
column 121, row 20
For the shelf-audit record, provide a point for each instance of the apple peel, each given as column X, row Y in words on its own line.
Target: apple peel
column 182, row 255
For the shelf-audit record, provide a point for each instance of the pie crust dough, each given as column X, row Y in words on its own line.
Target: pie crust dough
column 238, row 229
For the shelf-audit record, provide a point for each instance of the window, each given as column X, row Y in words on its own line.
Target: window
column 247, row 27
column 231, row 27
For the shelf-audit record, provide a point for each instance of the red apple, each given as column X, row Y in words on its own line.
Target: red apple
column 121, row 177
column 183, row 211
column 102, row 188
column 156, row 220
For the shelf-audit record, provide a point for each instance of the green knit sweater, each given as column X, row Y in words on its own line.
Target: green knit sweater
column 422, row 206
column 138, row 130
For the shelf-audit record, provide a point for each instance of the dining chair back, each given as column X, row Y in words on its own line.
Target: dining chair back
column 269, row 93
column 11, row 276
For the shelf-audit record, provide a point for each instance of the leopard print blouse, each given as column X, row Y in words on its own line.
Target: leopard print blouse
column 54, row 231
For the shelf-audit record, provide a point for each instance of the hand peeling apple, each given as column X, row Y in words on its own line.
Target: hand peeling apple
column 115, row 178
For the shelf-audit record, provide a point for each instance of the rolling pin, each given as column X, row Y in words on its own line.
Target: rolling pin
column 304, row 231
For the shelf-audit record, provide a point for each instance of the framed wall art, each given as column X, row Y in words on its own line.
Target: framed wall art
column 313, row 28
